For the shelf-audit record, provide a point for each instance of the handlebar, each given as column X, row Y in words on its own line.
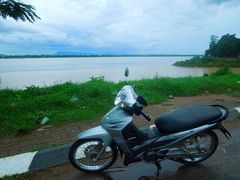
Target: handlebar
column 137, row 109
column 147, row 117
column 142, row 101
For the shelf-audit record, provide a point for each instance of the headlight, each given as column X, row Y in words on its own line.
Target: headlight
column 123, row 105
column 125, row 97
column 119, row 101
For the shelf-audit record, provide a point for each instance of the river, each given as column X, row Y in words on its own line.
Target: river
column 19, row 73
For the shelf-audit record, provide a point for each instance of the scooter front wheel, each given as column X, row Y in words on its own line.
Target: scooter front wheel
column 90, row 155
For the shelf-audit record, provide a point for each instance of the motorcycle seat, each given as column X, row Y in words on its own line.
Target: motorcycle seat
column 186, row 118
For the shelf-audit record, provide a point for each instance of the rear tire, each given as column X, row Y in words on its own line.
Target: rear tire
column 214, row 145
column 88, row 153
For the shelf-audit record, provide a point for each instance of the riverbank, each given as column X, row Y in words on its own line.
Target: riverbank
column 205, row 61
column 22, row 110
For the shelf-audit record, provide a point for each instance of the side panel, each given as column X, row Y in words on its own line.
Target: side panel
column 96, row 133
column 171, row 140
column 114, row 122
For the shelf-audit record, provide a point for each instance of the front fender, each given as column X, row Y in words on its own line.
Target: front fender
column 96, row 133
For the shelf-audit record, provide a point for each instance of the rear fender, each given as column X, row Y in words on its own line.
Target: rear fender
column 96, row 133
column 224, row 131
column 224, row 110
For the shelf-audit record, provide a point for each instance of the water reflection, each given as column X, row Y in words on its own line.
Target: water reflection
column 102, row 176
column 171, row 170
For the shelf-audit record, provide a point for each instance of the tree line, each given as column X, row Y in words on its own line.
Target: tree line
column 228, row 46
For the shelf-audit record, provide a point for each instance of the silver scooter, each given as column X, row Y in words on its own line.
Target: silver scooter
column 184, row 135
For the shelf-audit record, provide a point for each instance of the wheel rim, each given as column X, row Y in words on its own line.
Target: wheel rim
column 199, row 147
column 85, row 155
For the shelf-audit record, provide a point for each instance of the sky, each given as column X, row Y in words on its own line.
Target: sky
column 120, row 26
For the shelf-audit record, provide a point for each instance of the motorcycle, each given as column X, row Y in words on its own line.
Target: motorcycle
column 184, row 135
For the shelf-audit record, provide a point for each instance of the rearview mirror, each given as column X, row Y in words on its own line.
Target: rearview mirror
column 126, row 72
column 142, row 101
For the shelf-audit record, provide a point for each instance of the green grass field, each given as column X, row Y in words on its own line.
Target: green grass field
column 22, row 110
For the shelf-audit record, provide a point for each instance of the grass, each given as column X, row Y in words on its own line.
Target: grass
column 22, row 110
column 24, row 176
column 206, row 61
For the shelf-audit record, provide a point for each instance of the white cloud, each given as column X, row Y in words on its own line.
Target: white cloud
column 152, row 26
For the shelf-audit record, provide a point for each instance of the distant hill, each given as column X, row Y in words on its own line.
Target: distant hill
column 65, row 54
column 73, row 53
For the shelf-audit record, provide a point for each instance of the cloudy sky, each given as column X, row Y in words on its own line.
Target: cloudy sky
column 120, row 26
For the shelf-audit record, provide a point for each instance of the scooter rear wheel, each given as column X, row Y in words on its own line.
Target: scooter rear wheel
column 211, row 140
column 83, row 155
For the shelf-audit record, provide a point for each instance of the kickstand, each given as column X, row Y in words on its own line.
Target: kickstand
column 159, row 167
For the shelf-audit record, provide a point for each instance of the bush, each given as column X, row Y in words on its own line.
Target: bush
column 223, row 71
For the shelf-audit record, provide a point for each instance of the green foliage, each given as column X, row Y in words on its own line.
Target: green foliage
column 209, row 61
column 227, row 46
column 222, row 52
column 25, row 176
column 22, row 110
column 222, row 71
column 17, row 10
column 97, row 78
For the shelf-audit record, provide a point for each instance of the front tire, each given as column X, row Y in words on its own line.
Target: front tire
column 83, row 153
column 213, row 144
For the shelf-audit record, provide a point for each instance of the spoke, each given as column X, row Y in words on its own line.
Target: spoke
column 199, row 147
column 87, row 152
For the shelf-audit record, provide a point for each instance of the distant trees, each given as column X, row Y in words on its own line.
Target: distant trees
column 227, row 46
column 17, row 10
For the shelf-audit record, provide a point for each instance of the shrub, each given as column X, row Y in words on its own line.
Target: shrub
column 223, row 71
